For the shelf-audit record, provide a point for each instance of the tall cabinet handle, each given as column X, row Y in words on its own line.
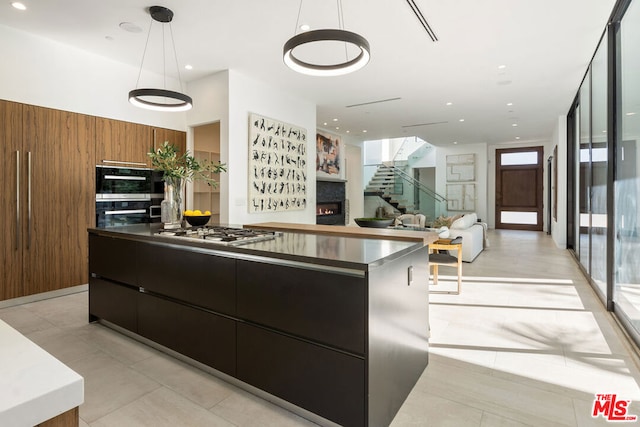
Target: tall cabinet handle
column 29, row 199
column 17, row 200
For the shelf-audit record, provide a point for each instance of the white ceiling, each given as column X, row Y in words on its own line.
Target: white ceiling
column 546, row 46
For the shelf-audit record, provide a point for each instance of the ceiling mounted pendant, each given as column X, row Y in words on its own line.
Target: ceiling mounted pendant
column 340, row 35
column 155, row 98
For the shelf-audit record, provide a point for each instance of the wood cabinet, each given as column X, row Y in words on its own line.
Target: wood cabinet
column 60, row 146
column 47, row 161
column 11, row 200
column 175, row 137
column 129, row 143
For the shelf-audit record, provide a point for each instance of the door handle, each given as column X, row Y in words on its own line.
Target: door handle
column 28, row 199
column 17, row 200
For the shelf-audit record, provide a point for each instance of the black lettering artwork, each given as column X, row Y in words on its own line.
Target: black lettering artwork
column 277, row 165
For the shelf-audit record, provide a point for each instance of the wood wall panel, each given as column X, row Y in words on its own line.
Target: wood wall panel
column 10, row 249
column 62, row 198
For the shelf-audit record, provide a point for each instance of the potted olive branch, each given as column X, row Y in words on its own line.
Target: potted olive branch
column 180, row 167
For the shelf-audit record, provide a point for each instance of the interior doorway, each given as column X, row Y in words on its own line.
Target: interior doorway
column 519, row 188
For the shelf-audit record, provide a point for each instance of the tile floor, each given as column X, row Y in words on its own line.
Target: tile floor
column 526, row 343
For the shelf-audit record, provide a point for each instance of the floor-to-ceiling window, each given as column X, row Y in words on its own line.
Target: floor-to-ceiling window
column 599, row 168
column 583, row 178
column 627, row 185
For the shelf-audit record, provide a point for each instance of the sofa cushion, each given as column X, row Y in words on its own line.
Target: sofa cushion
column 464, row 222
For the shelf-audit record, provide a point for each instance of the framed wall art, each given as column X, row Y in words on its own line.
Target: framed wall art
column 329, row 156
column 461, row 197
column 277, row 165
column 461, row 168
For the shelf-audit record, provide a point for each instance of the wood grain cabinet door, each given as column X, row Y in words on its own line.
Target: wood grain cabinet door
column 11, row 202
column 61, row 182
column 122, row 142
column 175, row 137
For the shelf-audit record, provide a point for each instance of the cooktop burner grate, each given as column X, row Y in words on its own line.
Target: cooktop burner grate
column 220, row 235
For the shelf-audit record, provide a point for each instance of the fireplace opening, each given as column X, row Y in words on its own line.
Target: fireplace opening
column 328, row 208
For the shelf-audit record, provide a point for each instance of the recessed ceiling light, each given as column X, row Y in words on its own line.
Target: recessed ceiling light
column 462, row 120
column 449, row 103
column 514, row 124
column 324, row 124
column 364, row 131
column 335, row 120
column 18, row 5
column 455, row 142
column 517, row 137
column 305, row 27
column 501, row 67
column 630, row 114
column 509, row 104
column 337, row 127
column 188, row 67
column 130, row 27
column 348, row 131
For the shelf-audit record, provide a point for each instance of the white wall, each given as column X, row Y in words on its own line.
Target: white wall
column 355, row 186
column 251, row 96
column 211, row 104
column 41, row 72
column 559, row 226
column 482, row 196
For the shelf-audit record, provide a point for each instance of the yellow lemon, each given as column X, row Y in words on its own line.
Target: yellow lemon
column 197, row 212
column 207, row 212
column 188, row 212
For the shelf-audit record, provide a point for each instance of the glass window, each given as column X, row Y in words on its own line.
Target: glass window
column 512, row 217
column 627, row 186
column 521, row 158
column 599, row 167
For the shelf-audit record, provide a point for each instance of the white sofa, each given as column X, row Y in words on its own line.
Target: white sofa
column 472, row 233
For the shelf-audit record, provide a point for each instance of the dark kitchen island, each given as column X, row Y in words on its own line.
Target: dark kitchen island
column 335, row 325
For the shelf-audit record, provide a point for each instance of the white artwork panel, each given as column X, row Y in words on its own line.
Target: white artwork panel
column 461, row 168
column 277, row 165
column 461, row 197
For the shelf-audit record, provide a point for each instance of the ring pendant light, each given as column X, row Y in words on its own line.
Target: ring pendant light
column 324, row 35
column 149, row 98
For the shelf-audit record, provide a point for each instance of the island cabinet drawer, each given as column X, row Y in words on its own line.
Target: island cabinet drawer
column 321, row 306
column 200, row 335
column 326, row 382
column 113, row 302
column 113, row 258
column 203, row 280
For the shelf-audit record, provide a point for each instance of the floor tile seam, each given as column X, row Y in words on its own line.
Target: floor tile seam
column 124, row 406
column 499, row 415
column 507, row 410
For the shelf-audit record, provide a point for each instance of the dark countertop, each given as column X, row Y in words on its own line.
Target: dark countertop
column 329, row 250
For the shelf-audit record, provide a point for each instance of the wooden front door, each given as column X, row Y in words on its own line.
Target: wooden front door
column 519, row 178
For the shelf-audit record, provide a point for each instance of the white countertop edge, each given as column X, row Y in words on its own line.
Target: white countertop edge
column 34, row 385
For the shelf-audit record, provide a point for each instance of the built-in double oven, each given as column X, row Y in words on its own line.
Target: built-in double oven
column 127, row 195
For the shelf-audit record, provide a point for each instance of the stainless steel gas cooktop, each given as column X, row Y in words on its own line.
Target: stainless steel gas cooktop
column 220, row 235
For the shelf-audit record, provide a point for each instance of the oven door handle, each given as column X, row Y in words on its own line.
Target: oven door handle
column 126, row 178
column 126, row 211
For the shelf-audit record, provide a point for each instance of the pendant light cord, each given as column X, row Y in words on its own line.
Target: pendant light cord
column 175, row 56
column 295, row 30
column 341, row 26
column 144, row 53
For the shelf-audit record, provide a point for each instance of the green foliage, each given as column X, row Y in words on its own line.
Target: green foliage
column 184, row 166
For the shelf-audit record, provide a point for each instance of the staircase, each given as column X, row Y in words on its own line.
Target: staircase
column 400, row 190
column 385, row 185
